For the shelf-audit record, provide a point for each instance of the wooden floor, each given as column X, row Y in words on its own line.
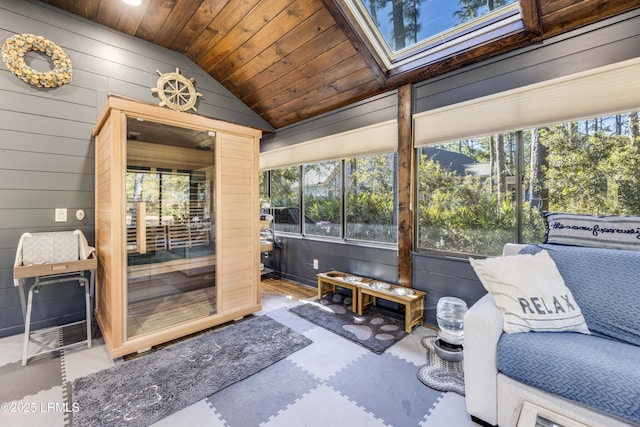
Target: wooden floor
column 273, row 285
column 157, row 313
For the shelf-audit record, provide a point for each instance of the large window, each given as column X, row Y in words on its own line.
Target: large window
column 588, row 167
column 466, row 199
column 322, row 198
column 353, row 198
column 469, row 194
column 285, row 199
column 371, row 198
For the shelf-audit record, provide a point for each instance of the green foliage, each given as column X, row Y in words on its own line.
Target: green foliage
column 166, row 195
column 470, row 9
column 589, row 168
column 370, row 198
column 284, row 187
column 322, row 208
column 459, row 213
column 594, row 174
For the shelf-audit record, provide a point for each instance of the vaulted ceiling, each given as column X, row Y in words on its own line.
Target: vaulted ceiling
column 289, row 60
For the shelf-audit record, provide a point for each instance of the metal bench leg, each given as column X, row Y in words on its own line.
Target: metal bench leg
column 27, row 327
column 88, row 292
column 87, row 297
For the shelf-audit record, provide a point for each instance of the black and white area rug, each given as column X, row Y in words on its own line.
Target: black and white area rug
column 149, row 388
column 440, row 374
column 377, row 329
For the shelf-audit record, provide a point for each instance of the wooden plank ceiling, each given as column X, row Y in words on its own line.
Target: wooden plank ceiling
column 289, row 60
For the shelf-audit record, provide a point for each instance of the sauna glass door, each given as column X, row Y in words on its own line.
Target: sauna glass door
column 170, row 230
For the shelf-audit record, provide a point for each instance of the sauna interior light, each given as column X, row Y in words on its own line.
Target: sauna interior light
column 133, row 2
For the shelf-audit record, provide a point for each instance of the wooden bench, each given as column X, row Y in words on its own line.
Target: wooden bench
column 364, row 295
column 411, row 299
column 328, row 282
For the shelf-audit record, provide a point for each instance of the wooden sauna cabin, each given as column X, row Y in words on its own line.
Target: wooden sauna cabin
column 177, row 203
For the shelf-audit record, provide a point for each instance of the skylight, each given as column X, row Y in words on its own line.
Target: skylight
column 404, row 30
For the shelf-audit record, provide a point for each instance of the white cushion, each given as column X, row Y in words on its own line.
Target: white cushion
column 531, row 293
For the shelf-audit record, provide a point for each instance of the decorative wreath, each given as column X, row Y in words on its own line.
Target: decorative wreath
column 13, row 52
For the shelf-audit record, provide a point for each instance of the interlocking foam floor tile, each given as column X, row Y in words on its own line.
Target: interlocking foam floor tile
column 386, row 386
column 321, row 408
column 327, row 354
column 263, row 395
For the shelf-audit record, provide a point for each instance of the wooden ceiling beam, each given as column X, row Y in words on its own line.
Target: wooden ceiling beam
column 325, row 85
column 429, row 70
column 130, row 22
column 532, row 17
column 406, row 183
column 180, row 15
column 88, row 8
column 321, row 101
column 108, row 13
column 200, row 20
column 223, row 23
column 277, row 75
column 242, row 33
column 561, row 16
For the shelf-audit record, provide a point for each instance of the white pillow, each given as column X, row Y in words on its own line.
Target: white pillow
column 531, row 293
column 613, row 232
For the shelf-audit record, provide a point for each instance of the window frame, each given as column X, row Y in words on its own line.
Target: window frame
column 519, row 172
column 493, row 25
column 343, row 206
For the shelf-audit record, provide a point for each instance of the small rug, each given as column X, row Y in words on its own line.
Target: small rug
column 149, row 388
column 377, row 329
column 440, row 374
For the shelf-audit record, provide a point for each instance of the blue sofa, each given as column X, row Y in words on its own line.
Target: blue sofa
column 591, row 379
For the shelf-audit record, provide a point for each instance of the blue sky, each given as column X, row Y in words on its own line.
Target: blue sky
column 434, row 17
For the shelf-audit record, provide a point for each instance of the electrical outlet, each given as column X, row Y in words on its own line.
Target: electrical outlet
column 315, row 264
column 61, row 215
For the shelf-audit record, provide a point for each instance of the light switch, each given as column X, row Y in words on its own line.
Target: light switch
column 61, row 215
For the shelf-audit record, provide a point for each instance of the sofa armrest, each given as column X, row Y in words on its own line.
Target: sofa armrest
column 482, row 329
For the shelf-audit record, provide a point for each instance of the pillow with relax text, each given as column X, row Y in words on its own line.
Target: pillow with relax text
column 531, row 293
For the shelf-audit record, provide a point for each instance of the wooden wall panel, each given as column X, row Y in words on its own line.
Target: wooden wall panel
column 165, row 156
column 238, row 226
column 103, row 238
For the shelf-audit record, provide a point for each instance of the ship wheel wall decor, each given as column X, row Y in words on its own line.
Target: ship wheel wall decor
column 176, row 91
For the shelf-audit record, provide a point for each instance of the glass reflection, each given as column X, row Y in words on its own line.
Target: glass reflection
column 169, row 218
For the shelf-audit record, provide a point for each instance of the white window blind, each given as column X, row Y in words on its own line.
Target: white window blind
column 374, row 139
column 606, row 90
